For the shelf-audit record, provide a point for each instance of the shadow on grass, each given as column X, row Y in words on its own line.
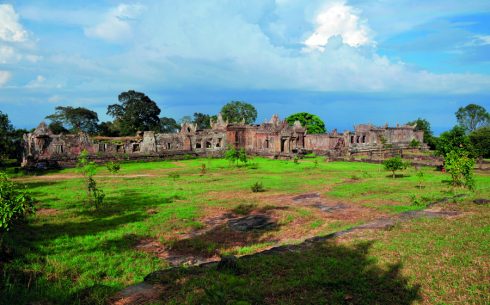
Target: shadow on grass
column 397, row 176
column 222, row 236
column 326, row 273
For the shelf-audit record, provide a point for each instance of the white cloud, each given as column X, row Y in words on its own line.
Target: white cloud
column 8, row 54
column 116, row 25
column 4, row 77
column 10, row 28
column 38, row 82
column 338, row 19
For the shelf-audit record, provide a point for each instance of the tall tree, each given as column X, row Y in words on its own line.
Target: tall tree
column 237, row 111
column 480, row 139
column 311, row 122
column 472, row 117
column 76, row 119
column 202, row 120
column 168, row 125
column 424, row 125
column 6, row 132
column 454, row 140
column 108, row 129
column 135, row 112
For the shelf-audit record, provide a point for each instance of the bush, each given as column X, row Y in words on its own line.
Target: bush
column 174, row 176
column 395, row 164
column 258, row 187
column 113, row 167
column 15, row 204
column 460, row 166
column 233, row 155
column 95, row 196
column 414, row 144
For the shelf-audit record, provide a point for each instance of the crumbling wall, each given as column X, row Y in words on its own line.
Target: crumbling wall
column 272, row 138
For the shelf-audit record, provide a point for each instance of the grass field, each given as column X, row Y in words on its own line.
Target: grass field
column 69, row 253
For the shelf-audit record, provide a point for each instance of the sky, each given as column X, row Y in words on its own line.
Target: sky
column 349, row 62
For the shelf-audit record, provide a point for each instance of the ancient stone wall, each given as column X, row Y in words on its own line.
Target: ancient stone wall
column 272, row 138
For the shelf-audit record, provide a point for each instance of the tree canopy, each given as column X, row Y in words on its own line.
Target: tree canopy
column 76, row 119
column 472, row 117
column 202, row 120
column 312, row 122
column 454, row 140
column 480, row 139
column 135, row 112
column 6, row 132
column 168, row 125
column 237, row 111
column 424, row 125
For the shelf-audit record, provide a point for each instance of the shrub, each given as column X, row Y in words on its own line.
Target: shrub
column 113, row 167
column 460, row 166
column 395, row 164
column 414, row 144
column 15, row 204
column 258, row 187
column 315, row 163
column 422, row 201
column 420, row 176
column 233, row 155
column 203, row 169
column 296, row 160
column 174, row 176
column 95, row 196
column 244, row 209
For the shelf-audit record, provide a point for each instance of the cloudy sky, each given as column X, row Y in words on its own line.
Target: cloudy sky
column 356, row 61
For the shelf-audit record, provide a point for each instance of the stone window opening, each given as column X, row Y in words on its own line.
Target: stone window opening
column 169, row 146
column 136, row 147
column 102, row 147
column 188, row 129
column 198, row 144
column 119, row 148
column 208, row 144
column 363, row 139
column 352, row 139
column 218, row 144
column 59, row 149
column 266, row 143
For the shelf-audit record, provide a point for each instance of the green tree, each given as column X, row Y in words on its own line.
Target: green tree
column 460, row 165
column 202, row 120
column 454, row 139
column 185, row 119
column 424, row 125
column 168, row 125
column 108, row 129
column 480, row 139
column 236, row 155
column 135, row 112
column 472, row 117
column 237, row 111
column 15, row 204
column 312, row 122
column 88, row 168
column 395, row 164
column 7, row 138
column 76, row 119
column 57, row 127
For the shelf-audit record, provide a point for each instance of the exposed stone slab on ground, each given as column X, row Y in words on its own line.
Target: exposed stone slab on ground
column 251, row 222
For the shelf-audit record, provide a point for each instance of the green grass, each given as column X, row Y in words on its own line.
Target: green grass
column 73, row 254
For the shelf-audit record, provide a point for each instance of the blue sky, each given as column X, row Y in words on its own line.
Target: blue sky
column 347, row 61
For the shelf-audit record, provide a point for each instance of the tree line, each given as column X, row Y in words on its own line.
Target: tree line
column 135, row 111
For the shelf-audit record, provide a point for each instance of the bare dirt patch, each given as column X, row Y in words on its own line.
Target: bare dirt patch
column 47, row 212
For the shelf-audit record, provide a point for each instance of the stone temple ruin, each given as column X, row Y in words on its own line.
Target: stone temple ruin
column 274, row 138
